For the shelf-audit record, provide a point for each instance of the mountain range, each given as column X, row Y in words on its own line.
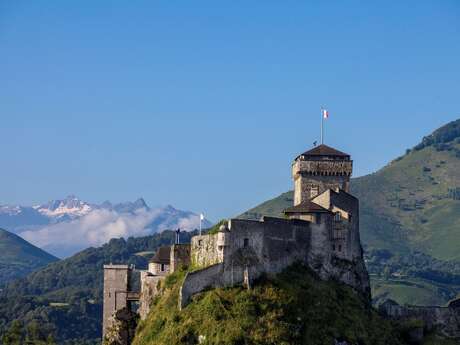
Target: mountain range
column 65, row 226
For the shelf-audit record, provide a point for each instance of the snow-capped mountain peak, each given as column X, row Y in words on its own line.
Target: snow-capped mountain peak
column 10, row 210
column 71, row 207
column 65, row 226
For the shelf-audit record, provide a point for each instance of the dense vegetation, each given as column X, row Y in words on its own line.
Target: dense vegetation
column 19, row 257
column 409, row 207
column 65, row 297
column 292, row 308
column 32, row 334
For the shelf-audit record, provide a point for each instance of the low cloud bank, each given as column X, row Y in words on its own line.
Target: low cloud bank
column 101, row 225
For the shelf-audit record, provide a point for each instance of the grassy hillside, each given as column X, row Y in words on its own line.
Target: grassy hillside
column 293, row 308
column 65, row 297
column 19, row 257
column 410, row 205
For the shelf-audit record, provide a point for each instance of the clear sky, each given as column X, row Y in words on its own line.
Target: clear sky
column 203, row 104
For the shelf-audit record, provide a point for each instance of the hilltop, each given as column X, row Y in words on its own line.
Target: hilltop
column 409, row 208
column 293, row 307
column 19, row 257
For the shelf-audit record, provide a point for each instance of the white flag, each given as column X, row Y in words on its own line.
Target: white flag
column 325, row 113
column 201, row 216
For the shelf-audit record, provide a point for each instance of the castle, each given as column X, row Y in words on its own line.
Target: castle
column 321, row 230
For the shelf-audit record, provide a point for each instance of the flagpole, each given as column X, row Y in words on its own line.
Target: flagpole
column 200, row 224
column 322, row 127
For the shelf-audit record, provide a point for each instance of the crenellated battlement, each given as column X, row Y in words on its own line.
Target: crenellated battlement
column 322, row 168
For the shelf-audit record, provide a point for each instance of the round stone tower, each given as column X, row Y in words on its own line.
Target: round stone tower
column 319, row 169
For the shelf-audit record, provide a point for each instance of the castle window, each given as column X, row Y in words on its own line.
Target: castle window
column 337, row 217
column 340, row 248
column 200, row 242
column 314, row 191
column 333, row 247
column 246, row 242
column 162, row 267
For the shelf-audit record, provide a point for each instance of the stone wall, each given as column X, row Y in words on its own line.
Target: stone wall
column 256, row 247
column 180, row 256
column 150, row 285
column 320, row 175
column 204, row 251
column 446, row 320
column 197, row 281
column 269, row 246
column 156, row 268
column 116, row 286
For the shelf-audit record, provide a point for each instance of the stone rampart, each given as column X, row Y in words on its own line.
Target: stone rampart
column 205, row 251
column 250, row 249
column 197, row 281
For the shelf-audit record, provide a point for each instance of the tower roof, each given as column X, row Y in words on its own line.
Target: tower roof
column 162, row 256
column 324, row 151
column 306, row 207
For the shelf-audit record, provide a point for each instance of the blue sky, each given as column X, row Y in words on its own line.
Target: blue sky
column 203, row 104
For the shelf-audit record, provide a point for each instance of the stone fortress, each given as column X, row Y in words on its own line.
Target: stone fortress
column 321, row 230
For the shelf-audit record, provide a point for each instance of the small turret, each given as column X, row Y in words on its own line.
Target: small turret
column 222, row 234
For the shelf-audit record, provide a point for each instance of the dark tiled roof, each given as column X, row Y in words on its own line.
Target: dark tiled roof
column 455, row 303
column 162, row 255
column 306, row 207
column 325, row 151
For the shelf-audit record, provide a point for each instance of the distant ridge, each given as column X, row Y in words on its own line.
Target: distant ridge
column 18, row 257
column 66, row 226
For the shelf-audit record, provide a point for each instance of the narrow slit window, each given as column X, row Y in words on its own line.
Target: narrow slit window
column 246, row 242
column 338, row 217
column 314, row 191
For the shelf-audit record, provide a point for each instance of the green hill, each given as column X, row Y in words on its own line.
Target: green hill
column 19, row 257
column 65, row 297
column 410, row 205
column 292, row 308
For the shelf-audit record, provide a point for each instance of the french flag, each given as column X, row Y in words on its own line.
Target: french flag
column 325, row 113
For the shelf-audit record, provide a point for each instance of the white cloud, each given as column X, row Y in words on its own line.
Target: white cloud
column 101, row 225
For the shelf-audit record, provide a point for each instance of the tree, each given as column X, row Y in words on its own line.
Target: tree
column 14, row 335
column 386, row 273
